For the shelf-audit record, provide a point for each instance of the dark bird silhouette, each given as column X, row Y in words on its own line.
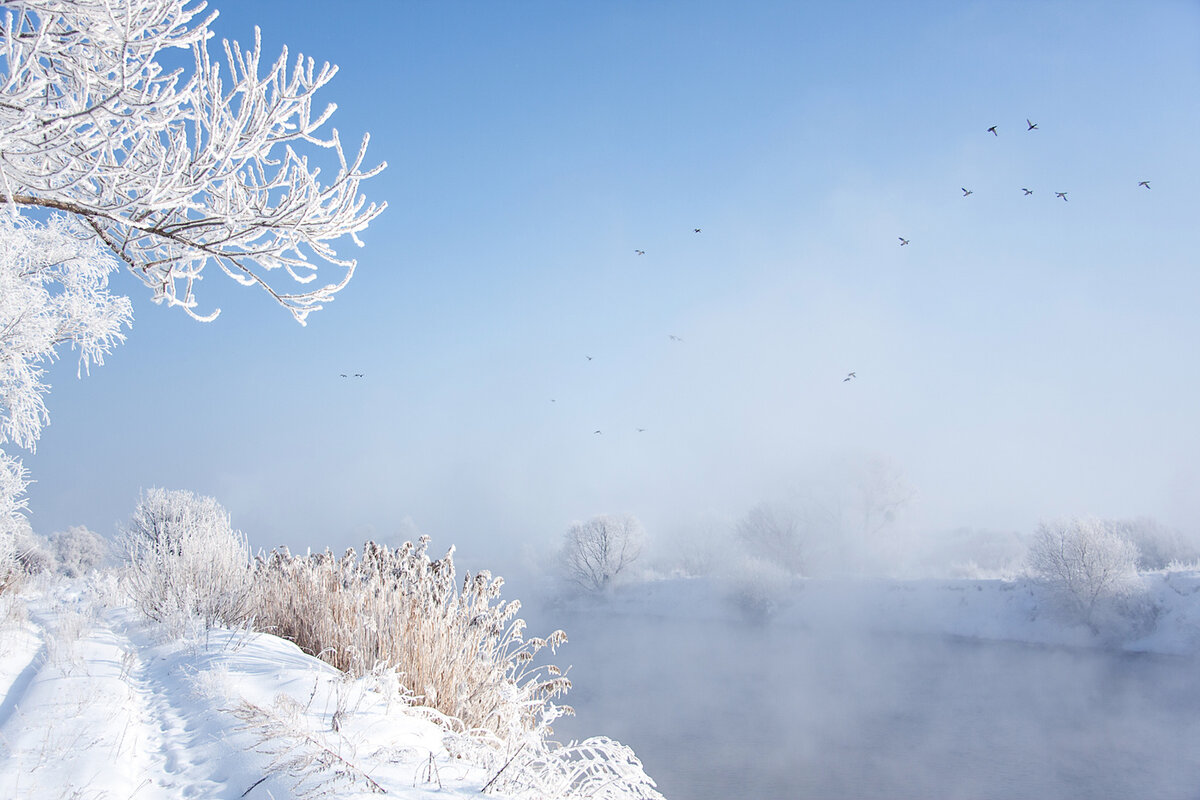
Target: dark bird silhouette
column 967, row 193
column 640, row 252
column 641, row 430
column 992, row 131
column 1063, row 195
column 344, row 375
column 903, row 241
column 595, row 431
column 1032, row 125
column 589, row 358
column 1144, row 183
column 358, row 374
column 697, row 230
column 849, row 376
column 1026, row 191
column 674, row 338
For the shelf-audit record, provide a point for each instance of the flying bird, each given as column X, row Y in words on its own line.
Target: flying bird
column 967, row 192
column 344, row 375
column 849, row 376
column 697, row 230
column 1144, row 183
column 992, row 131
column 589, row 358
column 595, row 431
column 640, row 252
column 1063, row 195
column 1032, row 125
column 641, row 430
column 358, row 374
column 1026, row 191
column 674, row 338
column 903, row 241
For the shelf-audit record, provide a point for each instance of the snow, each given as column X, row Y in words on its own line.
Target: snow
column 98, row 703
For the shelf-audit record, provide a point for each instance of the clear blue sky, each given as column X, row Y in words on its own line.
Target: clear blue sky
column 1023, row 357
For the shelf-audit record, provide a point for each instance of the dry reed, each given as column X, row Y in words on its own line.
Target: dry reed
column 459, row 651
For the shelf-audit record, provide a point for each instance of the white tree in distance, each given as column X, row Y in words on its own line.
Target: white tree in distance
column 597, row 551
column 171, row 168
column 1085, row 561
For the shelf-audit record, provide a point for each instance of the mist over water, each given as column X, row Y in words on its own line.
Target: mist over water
column 721, row 709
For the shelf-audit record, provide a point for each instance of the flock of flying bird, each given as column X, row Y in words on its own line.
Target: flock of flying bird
column 1030, row 125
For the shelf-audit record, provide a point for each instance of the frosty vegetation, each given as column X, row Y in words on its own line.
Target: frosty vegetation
column 176, row 169
column 186, row 560
column 595, row 553
column 109, row 157
column 1091, row 567
column 457, row 651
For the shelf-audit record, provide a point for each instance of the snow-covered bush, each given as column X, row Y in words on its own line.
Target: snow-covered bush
column 1158, row 545
column 459, row 651
column 185, row 559
column 596, row 552
column 78, row 550
column 1090, row 568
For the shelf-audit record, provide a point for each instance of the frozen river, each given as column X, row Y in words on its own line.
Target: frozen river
column 718, row 710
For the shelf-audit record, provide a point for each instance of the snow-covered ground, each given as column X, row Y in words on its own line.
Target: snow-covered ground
column 99, row 703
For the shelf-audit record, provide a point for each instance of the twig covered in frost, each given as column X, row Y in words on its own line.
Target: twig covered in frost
column 175, row 169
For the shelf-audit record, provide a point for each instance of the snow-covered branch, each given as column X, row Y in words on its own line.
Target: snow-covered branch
column 175, row 169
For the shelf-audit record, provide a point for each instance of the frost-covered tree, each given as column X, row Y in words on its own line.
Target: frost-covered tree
column 176, row 168
column 53, row 293
column 597, row 551
column 115, row 155
column 186, row 559
column 1086, row 562
column 78, row 550
column 773, row 532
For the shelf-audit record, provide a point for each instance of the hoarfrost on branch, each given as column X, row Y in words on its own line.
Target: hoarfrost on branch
column 171, row 168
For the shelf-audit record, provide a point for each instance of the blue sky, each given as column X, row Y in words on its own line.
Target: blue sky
column 1022, row 358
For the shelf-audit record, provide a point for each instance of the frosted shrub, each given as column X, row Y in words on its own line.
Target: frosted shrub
column 1090, row 568
column 78, row 550
column 186, row 560
column 1157, row 544
column 458, row 650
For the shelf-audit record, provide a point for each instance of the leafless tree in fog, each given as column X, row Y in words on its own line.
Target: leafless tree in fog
column 597, row 551
column 773, row 533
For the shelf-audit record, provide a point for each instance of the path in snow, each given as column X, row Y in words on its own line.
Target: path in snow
column 100, row 705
